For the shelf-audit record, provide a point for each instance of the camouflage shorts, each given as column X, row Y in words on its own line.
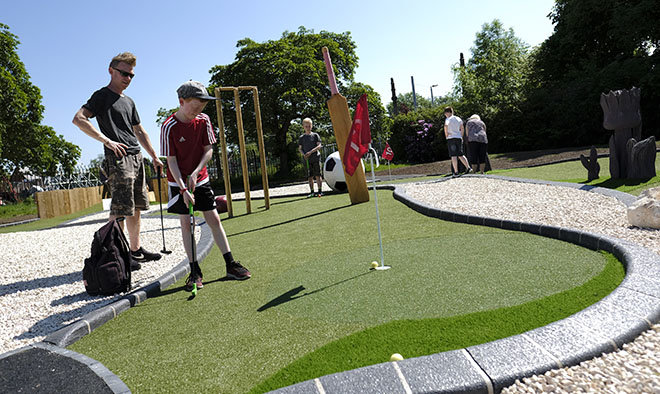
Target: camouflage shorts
column 128, row 186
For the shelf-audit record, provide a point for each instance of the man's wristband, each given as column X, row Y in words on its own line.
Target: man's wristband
column 183, row 190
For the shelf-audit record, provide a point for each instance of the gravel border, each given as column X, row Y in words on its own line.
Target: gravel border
column 631, row 309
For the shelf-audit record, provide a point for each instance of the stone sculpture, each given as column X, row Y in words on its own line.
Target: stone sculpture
column 628, row 157
column 591, row 164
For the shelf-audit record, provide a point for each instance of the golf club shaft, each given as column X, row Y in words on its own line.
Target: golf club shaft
column 192, row 234
column 160, row 201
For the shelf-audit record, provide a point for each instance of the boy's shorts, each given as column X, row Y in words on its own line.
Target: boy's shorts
column 127, row 182
column 314, row 167
column 455, row 147
column 204, row 200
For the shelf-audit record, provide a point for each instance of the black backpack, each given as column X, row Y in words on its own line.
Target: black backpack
column 108, row 270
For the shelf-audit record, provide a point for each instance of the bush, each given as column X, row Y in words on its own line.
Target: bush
column 418, row 137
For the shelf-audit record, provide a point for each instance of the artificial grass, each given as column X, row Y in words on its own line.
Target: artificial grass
column 574, row 172
column 414, row 338
column 311, row 286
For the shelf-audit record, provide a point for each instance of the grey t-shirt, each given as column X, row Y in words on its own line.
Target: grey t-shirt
column 116, row 116
column 309, row 142
column 477, row 131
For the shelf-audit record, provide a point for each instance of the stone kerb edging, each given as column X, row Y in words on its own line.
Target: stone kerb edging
column 487, row 368
column 91, row 321
column 58, row 340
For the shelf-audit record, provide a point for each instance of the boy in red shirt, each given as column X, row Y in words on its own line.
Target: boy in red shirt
column 186, row 138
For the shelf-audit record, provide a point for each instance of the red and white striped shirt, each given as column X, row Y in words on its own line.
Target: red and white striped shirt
column 186, row 141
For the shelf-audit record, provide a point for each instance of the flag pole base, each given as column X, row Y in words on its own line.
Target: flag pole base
column 382, row 267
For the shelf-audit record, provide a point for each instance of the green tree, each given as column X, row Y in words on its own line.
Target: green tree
column 292, row 82
column 24, row 142
column 492, row 82
column 406, row 103
column 378, row 121
column 596, row 46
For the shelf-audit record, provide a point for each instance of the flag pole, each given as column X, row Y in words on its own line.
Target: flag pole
column 389, row 170
column 372, row 154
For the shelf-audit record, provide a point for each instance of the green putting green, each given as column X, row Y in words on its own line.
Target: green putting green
column 312, row 286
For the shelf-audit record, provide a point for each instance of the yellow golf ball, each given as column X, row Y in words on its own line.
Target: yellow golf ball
column 374, row 264
column 396, row 357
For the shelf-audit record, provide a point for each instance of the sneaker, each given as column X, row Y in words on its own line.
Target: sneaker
column 135, row 266
column 310, row 195
column 190, row 280
column 236, row 271
column 142, row 255
column 469, row 171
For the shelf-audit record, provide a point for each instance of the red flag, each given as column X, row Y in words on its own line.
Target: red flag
column 388, row 153
column 359, row 138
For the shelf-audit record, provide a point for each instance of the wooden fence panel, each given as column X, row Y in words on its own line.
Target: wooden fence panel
column 163, row 187
column 55, row 203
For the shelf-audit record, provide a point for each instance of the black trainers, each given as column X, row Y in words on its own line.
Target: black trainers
column 236, row 271
column 135, row 266
column 142, row 255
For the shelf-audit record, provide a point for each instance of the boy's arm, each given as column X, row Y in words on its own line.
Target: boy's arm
column 173, row 165
column 446, row 135
column 143, row 138
column 208, row 153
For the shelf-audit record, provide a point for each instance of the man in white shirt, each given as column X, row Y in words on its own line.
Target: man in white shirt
column 454, row 131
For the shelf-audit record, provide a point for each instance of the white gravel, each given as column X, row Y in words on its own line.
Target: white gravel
column 633, row 369
column 41, row 287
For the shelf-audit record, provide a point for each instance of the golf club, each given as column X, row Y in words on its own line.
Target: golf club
column 160, row 200
column 195, row 269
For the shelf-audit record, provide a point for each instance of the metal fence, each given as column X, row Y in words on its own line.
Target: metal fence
column 272, row 162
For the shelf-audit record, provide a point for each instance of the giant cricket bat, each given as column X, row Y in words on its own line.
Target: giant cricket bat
column 341, row 123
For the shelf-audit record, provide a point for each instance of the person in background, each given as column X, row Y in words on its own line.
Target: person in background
column 309, row 145
column 477, row 142
column 454, row 131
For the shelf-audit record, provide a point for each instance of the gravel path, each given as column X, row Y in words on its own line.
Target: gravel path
column 41, row 287
column 633, row 369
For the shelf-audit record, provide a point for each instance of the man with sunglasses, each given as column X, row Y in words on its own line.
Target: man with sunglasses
column 121, row 135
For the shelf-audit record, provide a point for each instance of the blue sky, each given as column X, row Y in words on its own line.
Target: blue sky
column 66, row 45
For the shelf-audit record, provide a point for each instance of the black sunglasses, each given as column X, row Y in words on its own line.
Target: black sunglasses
column 124, row 73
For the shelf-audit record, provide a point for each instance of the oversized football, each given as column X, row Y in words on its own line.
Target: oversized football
column 221, row 204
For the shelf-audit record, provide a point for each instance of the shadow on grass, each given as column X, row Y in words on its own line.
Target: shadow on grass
column 615, row 183
column 288, row 221
column 293, row 293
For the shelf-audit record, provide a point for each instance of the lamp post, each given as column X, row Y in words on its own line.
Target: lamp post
column 432, row 86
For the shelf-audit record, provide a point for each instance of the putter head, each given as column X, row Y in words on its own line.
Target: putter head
column 165, row 251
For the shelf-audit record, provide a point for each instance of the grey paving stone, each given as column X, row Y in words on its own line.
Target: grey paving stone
column 635, row 303
column 643, row 284
column 508, row 359
column 461, row 218
column 448, row 372
column 570, row 342
column 589, row 240
column 531, row 228
column 551, row 232
column 99, row 317
column 478, row 220
column 511, row 225
column 376, row 379
column 491, row 222
column 616, row 325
